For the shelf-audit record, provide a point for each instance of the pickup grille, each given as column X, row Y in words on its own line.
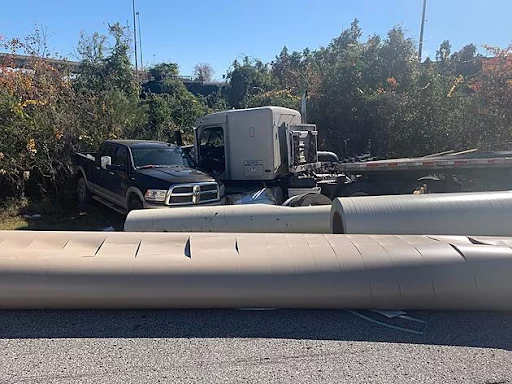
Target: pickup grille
column 191, row 194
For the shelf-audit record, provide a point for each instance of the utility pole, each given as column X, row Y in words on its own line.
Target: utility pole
column 422, row 29
column 135, row 39
column 140, row 43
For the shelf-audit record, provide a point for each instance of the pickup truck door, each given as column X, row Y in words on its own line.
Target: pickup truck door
column 98, row 176
column 117, row 177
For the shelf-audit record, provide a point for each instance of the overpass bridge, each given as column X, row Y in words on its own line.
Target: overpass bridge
column 195, row 86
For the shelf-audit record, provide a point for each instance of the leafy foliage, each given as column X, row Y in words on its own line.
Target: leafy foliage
column 247, row 79
column 364, row 95
column 47, row 114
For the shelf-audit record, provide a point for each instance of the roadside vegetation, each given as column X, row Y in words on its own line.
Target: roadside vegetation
column 16, row 214
column 365, row 95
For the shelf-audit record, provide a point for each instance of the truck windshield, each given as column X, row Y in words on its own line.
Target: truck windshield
column 161, row 156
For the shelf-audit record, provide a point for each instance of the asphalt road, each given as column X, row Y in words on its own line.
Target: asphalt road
column 234, row 346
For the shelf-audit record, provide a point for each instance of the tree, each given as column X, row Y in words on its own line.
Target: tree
column 286, row 69
column 494, row 91
column 246, row 80
column 107, row 89
column 37, row 125
column 338, row 110
column 169, row 105
column 164, row 70
column 203, row 72
column 443, row 54
column 280, row 98
column 466, row 62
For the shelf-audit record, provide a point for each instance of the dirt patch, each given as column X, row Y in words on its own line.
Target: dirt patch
column 51, row 216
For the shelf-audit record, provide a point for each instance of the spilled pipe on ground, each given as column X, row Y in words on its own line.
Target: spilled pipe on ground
column 485, row 214
column 200, row 270
column 232, row 218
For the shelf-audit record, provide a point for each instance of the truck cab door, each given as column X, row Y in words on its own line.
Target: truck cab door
column 98, row 173
column 212, row 152
column 117, row 176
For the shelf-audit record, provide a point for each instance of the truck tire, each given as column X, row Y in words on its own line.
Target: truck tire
column 134, row 203
column 83, row 194
column 434, row 185
column 356, row 189
column 308, row 199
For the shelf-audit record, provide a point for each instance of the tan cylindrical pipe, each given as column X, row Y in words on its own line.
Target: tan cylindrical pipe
column 199, row 270
column 485, row 214
column 232, row 218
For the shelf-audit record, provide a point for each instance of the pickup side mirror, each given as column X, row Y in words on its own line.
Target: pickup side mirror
column 105, row 161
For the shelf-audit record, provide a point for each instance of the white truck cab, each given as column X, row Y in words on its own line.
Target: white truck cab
column 254, row 144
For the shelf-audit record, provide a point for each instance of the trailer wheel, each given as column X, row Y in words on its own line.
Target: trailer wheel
column 356, row 189
column 433, row 185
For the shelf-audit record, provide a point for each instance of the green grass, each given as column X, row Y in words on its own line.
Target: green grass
column 15, row 215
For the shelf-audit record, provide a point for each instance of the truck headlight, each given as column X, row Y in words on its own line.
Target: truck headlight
column 222, row 190
column 155, row 195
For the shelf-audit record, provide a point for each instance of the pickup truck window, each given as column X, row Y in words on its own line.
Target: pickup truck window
column 121, row 157
column 106, row 149
column 143, row 157
column 109, row 150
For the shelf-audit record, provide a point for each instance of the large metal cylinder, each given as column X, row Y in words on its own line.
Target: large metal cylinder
column 199, row 270
column 232, row 218
column 486, row 214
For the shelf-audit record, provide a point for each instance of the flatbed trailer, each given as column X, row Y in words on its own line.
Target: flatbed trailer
column 454, row 172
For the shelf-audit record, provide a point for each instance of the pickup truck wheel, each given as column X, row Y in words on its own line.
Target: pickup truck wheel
column 135, row 203
column 82, row 193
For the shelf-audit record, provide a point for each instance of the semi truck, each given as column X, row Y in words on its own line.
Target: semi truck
column 269, row 147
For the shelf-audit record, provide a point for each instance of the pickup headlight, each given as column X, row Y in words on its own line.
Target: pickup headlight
column 222, row 189
column 155, row 195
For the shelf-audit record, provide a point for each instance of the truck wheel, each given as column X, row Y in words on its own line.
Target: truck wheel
column 433, row 185
column 308, row 199
column 82, row 193
column 135, row 203
column 356, row 189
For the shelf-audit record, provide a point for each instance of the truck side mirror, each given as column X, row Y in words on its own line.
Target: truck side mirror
column 178, row 138
column 105, row 160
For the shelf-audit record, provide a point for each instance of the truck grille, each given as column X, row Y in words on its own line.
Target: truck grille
column 191, row 194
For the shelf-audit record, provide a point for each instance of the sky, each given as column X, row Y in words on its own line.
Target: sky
column 219, row 31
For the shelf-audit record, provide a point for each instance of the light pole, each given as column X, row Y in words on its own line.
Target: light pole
column 135, row 39
column 421, row 29
column 140, row 43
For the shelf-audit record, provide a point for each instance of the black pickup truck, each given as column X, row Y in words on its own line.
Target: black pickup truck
column 135, row 174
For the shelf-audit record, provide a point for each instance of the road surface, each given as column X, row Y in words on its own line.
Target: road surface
column 236, row 346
